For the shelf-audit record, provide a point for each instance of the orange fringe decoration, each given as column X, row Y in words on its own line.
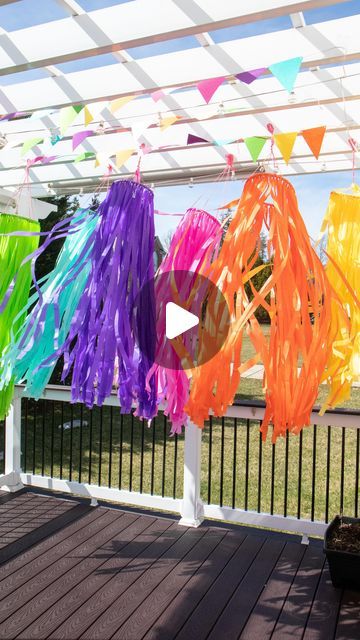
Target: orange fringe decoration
column 296, row 352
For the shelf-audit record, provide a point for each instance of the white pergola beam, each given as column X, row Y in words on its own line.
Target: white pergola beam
column 107, row 30
column 319, row 44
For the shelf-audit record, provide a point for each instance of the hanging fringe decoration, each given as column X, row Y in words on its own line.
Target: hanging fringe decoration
column 50, row 310
column 196, row 240
column 14, row 285
column 297, row 296
column 342, row 223
column 103, row 327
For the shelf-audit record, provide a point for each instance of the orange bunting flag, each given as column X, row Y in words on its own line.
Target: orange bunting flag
column 314, row 139
column 122, row 157
column 285, row 143
column 117, row 104
column 297, row 295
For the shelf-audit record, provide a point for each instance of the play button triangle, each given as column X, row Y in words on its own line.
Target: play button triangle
column 178, row 320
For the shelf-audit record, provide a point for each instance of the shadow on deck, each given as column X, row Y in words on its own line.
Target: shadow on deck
column 68, row 571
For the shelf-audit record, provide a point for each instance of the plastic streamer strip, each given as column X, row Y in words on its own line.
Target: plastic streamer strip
column 194, row 244
column 342, row 223
column 297, row 296
column 16, row 275
column 103, row 328
column 51, row 312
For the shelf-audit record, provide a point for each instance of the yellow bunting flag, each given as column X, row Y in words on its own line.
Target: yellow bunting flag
column 88, row 117
column 314, row 139
column 167, row 122
column 122, row 157
column 285, row 143
column 117, row 104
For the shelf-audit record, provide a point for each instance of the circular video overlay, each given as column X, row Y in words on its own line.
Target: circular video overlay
column 189, row 324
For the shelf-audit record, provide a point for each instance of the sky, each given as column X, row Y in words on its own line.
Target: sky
column 312, row 190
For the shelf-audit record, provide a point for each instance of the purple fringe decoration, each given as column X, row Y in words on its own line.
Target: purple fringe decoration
column 102, row 332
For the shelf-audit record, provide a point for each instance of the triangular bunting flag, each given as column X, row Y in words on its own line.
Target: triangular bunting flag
column 249, row 76
column 67, row 117
column 191, row 139
column 314, row 138
column 157, row 95
column 122, row 157
column 79, row 137
column 207, row 88
column 101, row 159
column 84, row 156
column 115, row 105
column 255, row 145
column 29, row 144
column 88, row 116
column 286, row 72
column 285, row 143
column 165, row 123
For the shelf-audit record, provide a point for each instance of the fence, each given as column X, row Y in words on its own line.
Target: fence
column 226, row 472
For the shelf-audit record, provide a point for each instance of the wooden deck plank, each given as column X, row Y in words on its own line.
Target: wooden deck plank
column 145, row 612
column 322, row 621
column 108, row 623
column 79, row 607
column 176, row 613
column 269, row 604
column 7, row 496
column 84, row 519
column 41, row 591
column 203, row 618
column 72, row 512
column 348, row 627
column 234, row 617
column 294, row 615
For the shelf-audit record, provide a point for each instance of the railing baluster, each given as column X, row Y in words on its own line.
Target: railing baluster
column 81, row 440
column 222, row 461
column 313, row 476
column 327, row 474
column 234, row 465
column 71, row 441
column 247, row 464
column 90, row 442
column 26, row 427
column 272, row 478
column 153, row 458
column 210, row 459
column 110, row 445
column 131, row 451
column 300, row 474
column 100, row 445
column 142, row 455
column 52, row 437
column 342, row 470
column 121, row 449
column 43, row 438
column 260, row 473
column 61, row 440
column 357, row 462
column 175, row 464
column 164, row 457
column 286, row 473
column 34, row 437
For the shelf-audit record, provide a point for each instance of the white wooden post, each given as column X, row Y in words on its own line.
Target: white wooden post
column 11, row 480
column 192, row 507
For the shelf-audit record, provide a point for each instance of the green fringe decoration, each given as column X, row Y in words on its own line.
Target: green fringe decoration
column 13, row 250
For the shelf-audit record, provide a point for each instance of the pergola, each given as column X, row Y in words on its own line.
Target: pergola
column 185, row 41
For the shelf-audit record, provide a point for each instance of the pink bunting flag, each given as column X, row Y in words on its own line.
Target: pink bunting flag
column 191, row 139
column 249, row 76
column 158, row 95
column 79, row 137
column 207, row 88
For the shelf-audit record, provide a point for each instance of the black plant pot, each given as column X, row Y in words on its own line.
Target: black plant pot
column 344, row 565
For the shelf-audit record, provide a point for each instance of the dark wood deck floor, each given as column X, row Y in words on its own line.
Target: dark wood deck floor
column 70, row 571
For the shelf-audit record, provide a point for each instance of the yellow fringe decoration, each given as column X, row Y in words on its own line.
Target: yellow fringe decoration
column 342, row 223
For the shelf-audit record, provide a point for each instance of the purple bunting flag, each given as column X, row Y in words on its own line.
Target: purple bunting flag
column 249, row 76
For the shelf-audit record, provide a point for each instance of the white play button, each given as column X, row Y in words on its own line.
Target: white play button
column 178, row 320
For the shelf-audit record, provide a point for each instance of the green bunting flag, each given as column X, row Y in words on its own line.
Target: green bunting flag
column 67, row 116
column 255, row 145
column 29, row 144
column 84, row 156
